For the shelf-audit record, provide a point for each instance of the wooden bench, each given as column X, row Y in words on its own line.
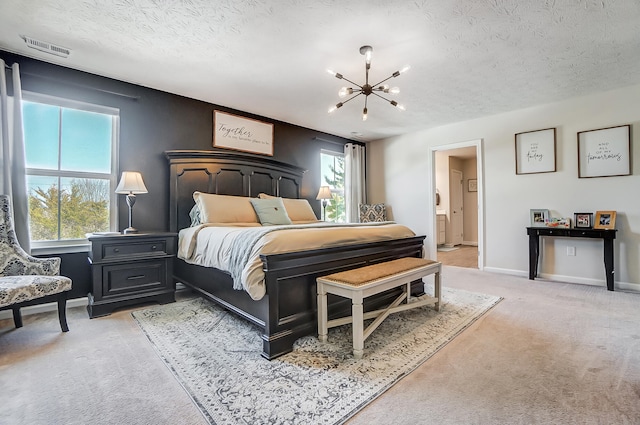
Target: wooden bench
column 358, row 284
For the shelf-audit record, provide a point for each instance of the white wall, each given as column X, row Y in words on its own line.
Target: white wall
column 399, row 177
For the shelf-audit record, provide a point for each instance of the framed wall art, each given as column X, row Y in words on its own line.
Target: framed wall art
column 604, row 152
column 536, row 151
column 242, row 134
column 605, row 220
column 583, row 220
column 539, row 218
column 472, row 185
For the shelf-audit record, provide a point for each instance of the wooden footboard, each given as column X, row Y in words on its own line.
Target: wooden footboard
column 288, row 311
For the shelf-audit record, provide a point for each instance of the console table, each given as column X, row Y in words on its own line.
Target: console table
column 605, row 234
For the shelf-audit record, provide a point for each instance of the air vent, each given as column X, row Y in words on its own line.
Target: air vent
column 43, row 46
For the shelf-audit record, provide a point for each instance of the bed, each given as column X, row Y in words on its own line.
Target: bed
column 287, row 311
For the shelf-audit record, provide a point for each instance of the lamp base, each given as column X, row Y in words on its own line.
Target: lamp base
column 130, row 230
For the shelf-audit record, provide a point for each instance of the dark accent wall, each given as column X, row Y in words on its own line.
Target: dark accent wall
column 153, row 121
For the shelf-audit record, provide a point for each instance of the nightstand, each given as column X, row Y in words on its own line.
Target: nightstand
column 131, row 269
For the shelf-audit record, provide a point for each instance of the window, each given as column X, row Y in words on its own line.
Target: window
column 71, row 168
column 332, row 168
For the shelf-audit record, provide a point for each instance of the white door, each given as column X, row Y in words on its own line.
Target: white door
column 455, row 201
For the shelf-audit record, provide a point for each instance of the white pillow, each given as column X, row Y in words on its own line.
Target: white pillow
column 224, row 208
column 298, row 210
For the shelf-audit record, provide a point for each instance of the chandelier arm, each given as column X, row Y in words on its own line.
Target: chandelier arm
column 355, row 84
column 352, row 97
column 388, row 78
column 381, row 97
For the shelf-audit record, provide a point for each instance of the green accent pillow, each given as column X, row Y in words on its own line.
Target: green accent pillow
column 270, row 212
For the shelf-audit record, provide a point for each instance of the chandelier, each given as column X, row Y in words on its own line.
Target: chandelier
column 367, row 89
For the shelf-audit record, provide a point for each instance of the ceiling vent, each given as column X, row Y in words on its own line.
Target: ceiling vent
column 43, row 46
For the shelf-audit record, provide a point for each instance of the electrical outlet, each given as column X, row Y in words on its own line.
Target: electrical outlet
column 571, row 250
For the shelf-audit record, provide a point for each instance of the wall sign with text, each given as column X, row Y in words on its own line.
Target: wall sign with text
column 242, row 134
column 604, row 152
column 536, row 151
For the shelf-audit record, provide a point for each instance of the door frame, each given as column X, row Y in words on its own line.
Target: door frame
column 478, row 144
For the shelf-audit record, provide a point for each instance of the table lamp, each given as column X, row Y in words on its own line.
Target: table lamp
column 323, row 194
column 131, row 184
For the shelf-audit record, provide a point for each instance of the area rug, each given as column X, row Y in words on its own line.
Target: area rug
column 216, row 357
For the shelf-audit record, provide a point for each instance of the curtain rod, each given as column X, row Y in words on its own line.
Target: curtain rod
column 337, row 143
column 82, row 86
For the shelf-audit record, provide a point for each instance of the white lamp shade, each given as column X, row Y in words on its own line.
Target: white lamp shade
column 131, row 182
column 324, row 193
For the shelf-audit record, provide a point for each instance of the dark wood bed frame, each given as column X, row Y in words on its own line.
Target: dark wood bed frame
column 288, row 310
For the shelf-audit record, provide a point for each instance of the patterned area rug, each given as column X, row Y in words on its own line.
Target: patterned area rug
column 216, row 358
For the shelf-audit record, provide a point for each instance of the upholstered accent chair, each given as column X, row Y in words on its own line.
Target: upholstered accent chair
column 372, row 212
column 26, row 280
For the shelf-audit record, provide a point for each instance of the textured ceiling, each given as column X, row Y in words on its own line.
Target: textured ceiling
column 469, row 58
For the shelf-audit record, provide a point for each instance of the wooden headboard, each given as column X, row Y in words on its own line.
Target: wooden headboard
column 224, row 173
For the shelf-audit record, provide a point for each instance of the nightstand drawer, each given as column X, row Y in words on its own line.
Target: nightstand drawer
column 146, row 248
column 119, row 279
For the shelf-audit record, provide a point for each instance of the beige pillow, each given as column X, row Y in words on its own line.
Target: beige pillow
column 224, row 208
column 298, row 210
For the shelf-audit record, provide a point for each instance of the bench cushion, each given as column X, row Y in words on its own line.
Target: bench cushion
column 363, row 275
column 17, row 289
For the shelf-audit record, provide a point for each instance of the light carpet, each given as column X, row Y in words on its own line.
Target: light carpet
column 216, row 357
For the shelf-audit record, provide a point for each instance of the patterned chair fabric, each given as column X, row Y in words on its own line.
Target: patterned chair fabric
column 24, row 278
column 372, row 212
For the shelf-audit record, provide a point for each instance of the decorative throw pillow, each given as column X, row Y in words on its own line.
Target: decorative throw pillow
column 372, row 212
column 299, row 210
column 271, row 212
column 224, row 208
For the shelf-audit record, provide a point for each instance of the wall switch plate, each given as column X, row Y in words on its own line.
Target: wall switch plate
column 571, row 250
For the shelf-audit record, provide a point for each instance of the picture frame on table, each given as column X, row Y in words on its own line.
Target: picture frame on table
column 539, row 217
column 536, row 151
column 605, row 220
column 583, row 220
column 604, row 152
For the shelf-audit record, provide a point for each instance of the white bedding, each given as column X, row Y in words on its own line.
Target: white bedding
column 210, row 245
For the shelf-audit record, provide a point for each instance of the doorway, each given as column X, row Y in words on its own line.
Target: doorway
column 457, row 172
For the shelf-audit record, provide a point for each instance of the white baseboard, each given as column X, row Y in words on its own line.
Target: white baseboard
column 41, row 308
column 568, row 279
column 470, row 243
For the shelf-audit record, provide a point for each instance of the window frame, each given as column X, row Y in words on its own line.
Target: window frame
column 70, row 245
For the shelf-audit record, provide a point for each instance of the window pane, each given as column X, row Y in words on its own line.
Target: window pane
column 41, row 131
column 68, row 209
column 86, row 141
column 43, row 207
column 85, row 207
column 332, row 168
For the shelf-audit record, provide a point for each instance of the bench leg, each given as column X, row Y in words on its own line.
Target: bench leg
column 437, row 291
column 62, row 311
column 357, row 317
column 322, row 313
column 17, row 317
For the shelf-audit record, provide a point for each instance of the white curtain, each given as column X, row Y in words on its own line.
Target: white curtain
column 355, row 189
column 13, row 181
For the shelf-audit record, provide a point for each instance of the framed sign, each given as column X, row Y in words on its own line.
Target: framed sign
column 473, row 185
column 604, row 152
column 536, row 151
column 242, row 134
